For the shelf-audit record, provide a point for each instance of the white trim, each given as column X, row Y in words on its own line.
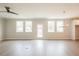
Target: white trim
column 60, row 38
column 44, row 38
column 18, row 38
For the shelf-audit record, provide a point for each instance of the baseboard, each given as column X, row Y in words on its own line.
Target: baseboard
column 18, row 38
column 76, row 39
column 33, row 39
column 1, row 40
column 59, row 39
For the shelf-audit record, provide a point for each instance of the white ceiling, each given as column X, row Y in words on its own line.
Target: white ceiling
column 41, row 10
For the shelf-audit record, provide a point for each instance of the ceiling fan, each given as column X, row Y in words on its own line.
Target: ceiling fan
column 8, row 10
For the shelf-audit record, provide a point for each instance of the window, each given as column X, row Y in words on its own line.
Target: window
column 59, row 26
column 51, row 26
column 19, row 26
column 28, row 26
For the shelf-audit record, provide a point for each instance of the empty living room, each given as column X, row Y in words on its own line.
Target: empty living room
column 39, row 29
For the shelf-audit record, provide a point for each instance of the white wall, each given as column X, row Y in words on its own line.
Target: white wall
column 10, row 30
column 1, row 29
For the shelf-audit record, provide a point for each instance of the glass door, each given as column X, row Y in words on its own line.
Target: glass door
column 39, row 30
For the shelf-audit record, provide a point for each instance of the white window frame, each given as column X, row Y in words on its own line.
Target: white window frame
column 51, row 26
column 59, row 26
column 28, row 26
column 19, row 28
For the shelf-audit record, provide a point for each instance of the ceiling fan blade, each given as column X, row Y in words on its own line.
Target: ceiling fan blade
column 8, row 10
column 13, row 13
